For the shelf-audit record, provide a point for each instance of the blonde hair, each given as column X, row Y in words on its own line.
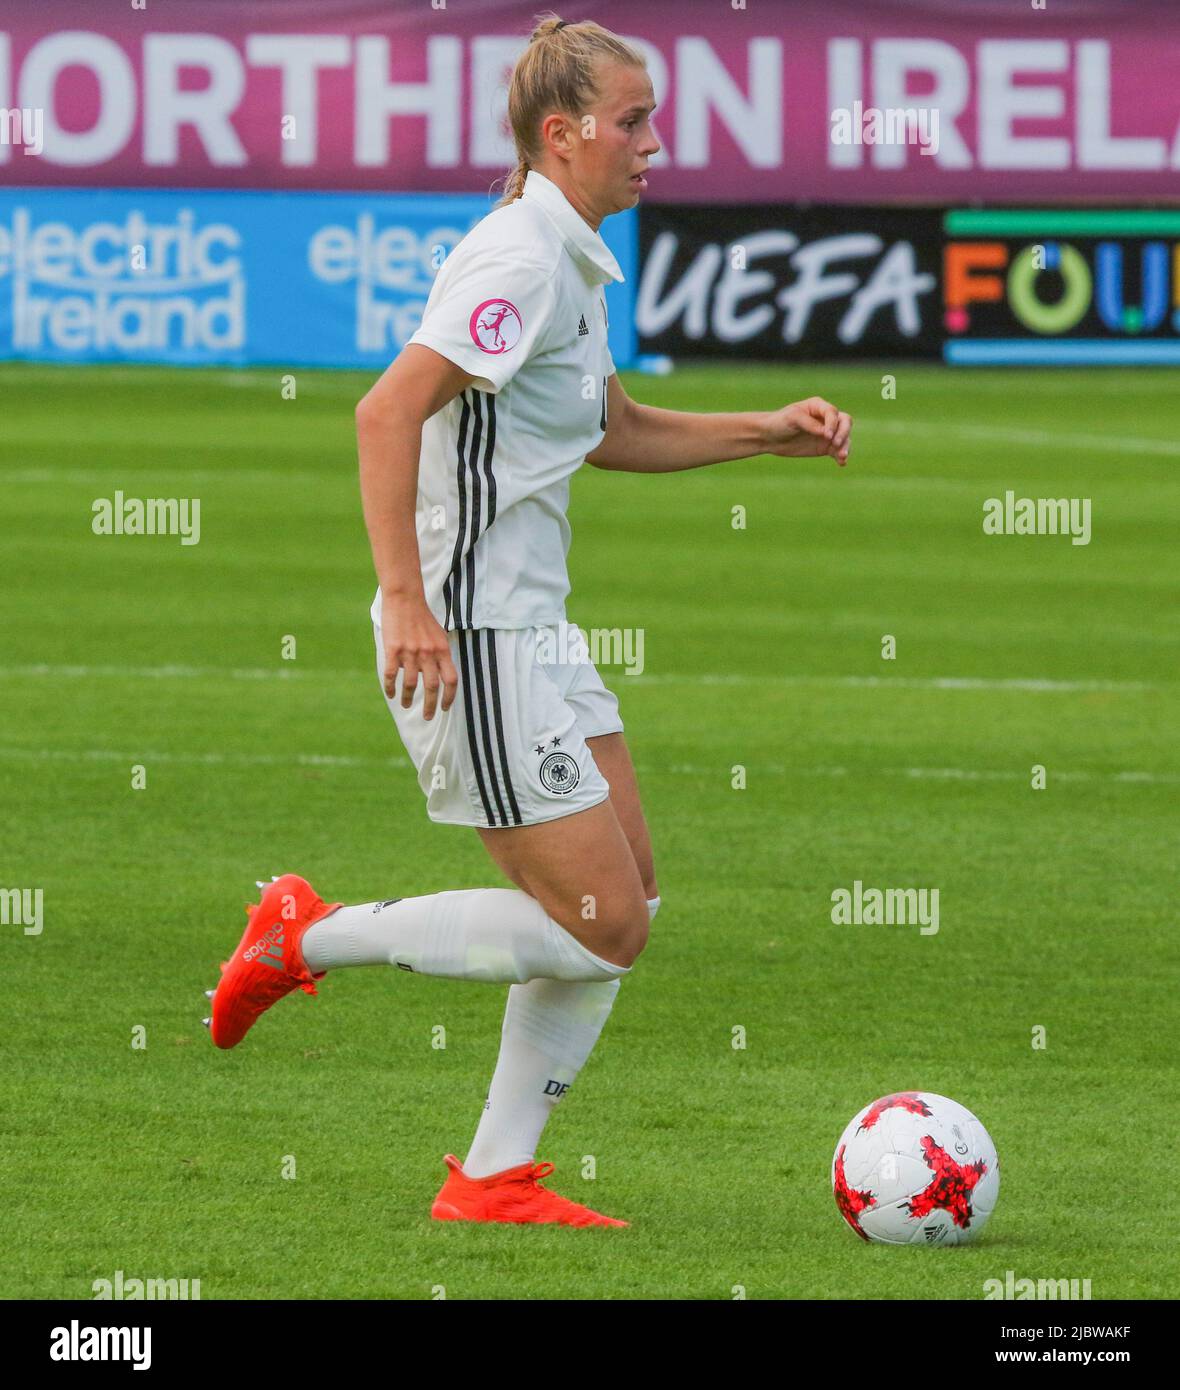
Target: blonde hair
column 556, row 73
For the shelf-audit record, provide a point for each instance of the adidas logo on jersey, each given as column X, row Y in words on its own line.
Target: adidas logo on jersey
column 582, row 329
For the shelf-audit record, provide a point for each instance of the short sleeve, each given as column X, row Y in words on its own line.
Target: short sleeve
column 490, row 317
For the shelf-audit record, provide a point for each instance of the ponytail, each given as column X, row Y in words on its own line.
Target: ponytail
column 556, row 72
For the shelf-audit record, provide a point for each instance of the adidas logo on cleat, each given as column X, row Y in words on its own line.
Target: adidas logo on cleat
column 268, row 949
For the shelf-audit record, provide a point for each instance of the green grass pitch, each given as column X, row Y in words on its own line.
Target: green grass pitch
column 762, row 648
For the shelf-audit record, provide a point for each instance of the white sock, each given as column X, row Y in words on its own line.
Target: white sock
column 499, row 935
column 550, row 1028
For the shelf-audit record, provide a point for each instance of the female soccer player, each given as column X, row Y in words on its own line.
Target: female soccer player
column 467, row 444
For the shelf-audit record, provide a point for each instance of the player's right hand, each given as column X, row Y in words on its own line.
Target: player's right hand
column 416, row 644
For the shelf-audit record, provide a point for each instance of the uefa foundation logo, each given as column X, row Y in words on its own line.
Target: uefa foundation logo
column 495, row 326
column 1057, row 285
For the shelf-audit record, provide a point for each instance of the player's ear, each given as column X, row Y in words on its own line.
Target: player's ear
column 555, row 132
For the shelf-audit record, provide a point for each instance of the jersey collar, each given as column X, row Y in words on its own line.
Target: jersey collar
column 584, row 244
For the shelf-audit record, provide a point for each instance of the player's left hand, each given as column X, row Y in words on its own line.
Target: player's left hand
column 809, row 429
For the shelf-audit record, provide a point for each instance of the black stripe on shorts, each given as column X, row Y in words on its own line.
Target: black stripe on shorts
column 495, row 679
column 470, row 716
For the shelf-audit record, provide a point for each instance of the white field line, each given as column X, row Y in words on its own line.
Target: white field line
column 106, row 479
column 329, row 760
column 1034, row 686
column 307, row 379
column 1115, row 382
column 242, row 759
column 264, row 673
column 258, row 673
column 963, row 774
column 1036, row 438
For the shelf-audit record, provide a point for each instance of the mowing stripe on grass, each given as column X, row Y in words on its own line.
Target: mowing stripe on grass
column 998, row 434
column 1032, row 685
column 1040, row 438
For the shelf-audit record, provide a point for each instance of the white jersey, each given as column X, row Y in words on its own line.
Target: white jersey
column 519, row 305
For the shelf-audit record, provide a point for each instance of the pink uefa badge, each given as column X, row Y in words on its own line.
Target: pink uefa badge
column 495, row 326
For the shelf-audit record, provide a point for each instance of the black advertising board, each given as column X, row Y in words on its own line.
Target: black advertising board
column 786, row 282
column 1022, row 286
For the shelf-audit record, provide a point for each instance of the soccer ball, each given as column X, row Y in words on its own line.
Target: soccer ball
column 915, row 1169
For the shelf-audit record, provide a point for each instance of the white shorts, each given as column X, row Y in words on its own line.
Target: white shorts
column 512, row 749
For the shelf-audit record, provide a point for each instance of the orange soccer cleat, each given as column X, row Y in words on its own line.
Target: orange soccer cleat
column 267, row 964
column 513, row 1195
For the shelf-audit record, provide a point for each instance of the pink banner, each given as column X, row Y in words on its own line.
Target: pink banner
column 1009, row 100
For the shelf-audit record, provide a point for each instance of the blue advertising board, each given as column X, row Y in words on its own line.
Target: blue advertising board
column 194, row 277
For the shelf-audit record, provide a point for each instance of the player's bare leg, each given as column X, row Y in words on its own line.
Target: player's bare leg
column 614, row 762
column 583, row 872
